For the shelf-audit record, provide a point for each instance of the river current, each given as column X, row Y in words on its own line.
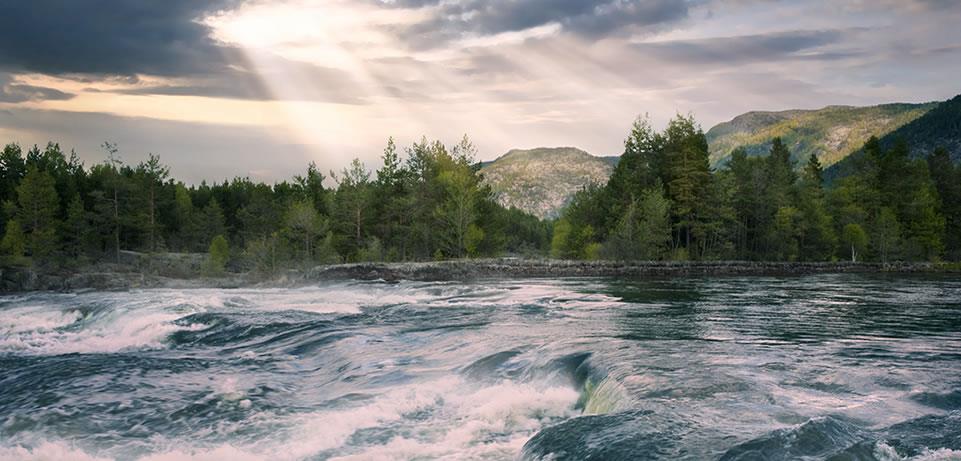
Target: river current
column 841, row 367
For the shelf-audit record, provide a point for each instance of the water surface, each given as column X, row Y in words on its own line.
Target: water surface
column 846, row 367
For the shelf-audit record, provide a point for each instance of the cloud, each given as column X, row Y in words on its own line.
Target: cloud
column 105, row 37
column 13, row 92
column 105, row 40
column 590, row 19
column 744, row 48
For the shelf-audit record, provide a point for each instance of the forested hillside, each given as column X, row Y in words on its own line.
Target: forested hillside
column 938, row 128
column 830, row 133
column 664, row 201
column 58, row 213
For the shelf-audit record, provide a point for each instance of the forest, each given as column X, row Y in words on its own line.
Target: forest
column 430, row 205
column 663, row 202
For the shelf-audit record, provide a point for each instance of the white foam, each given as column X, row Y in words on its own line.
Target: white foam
column 105, row 332
column 885, row 452
column 47, row 451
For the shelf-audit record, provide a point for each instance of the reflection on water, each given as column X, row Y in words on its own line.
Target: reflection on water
column 817, row 367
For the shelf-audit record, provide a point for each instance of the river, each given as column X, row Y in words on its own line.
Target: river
column 831, row 366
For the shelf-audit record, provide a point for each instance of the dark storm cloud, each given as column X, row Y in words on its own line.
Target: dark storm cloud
column 747, row 48
column 98, row 40
column 110, row 37
column 11, row 91
column 588, row 18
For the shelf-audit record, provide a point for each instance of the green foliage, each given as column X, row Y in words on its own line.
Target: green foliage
column 854, row 237
column 14, row 244
column 644, row 230
column 663, row 201
column 947, row 180
column 831, row 133
column 473, row 239
column 37, row 210
column 888, row 207
column 217, row 255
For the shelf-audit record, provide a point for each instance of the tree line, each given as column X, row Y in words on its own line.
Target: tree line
column 431, row 204
column 664, row 201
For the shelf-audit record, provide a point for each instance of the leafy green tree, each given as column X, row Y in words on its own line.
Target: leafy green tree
column 217, row 255
column 264, row 253
column 887, row 233
column 304, row 224
column 473, row 239
column 644, row 230
column 351, row 205
column 854, row 238
column 458, row 211
column 14, row 243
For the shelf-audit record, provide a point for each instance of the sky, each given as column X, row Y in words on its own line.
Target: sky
column 226, row 88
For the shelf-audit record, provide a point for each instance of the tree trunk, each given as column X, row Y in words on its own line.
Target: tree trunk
column 116, row 225
column 153, row 244
column 357, row 224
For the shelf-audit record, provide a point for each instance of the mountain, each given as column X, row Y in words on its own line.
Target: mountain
column 541, row 181
column 939, row 127
column 831, row 133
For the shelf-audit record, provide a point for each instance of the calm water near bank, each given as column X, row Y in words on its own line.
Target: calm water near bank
column 830, row 366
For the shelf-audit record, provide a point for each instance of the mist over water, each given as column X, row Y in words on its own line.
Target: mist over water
column 851, row 367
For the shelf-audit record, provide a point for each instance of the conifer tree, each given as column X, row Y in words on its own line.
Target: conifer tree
column 37, row 210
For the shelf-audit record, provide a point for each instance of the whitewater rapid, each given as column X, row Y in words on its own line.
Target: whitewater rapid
column 817, row 367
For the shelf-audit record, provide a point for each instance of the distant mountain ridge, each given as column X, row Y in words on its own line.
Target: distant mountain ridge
column 831, row 133
column 541, row 181
column 939, row 127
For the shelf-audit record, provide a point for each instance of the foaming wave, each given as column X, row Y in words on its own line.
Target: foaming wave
column 35, row 318
column 445, row 418
column 47, row 451
column 103, row 332
column 885, row 452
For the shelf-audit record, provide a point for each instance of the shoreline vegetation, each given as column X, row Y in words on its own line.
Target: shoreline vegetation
column 62, row 221
column 121, row 277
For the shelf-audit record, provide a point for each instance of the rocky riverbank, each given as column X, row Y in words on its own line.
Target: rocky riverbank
column 150, row 275
column 510, row 268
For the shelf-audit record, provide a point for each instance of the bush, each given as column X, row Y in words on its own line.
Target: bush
column 217, row 256
column 14, row 244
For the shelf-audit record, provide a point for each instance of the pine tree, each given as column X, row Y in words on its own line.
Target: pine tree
column 686, row 174
column 947, row 179
column 76, row 229
column 152, row 175
column 213, row 222
column 37, row 210
column 817, row 237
